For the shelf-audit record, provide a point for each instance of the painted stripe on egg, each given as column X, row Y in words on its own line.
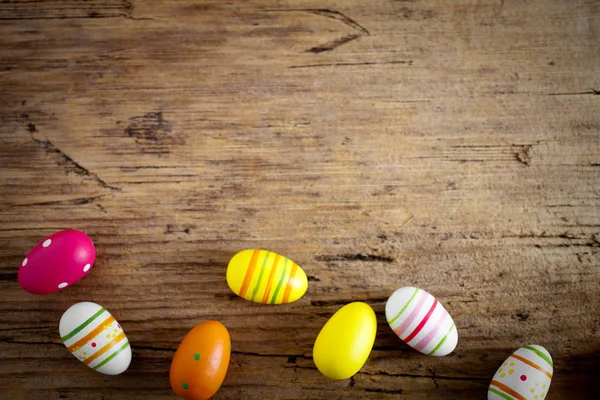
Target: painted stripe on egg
column 249, row 273
column 265, row 298
column 93, row 333
column 288, row 288
column 104, row 349
column 405, row 307
column 262, row 271
column 501, row 386
column 412, row 316
column 423, row 343
column 436, row 348
column 540, row 354
column 419, row 327
column 281, row 279
column 83, row 325
column 501, row 394
column 531, row 364
column 113, row 355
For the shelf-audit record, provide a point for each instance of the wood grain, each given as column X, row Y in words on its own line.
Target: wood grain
column 453, row 146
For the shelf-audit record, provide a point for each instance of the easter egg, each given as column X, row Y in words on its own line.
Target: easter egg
column 345, row 341
column 201, row 361
column 525, row 375
column 56, row 262
column 95, row 337
column 265, row 277
column 421, row 321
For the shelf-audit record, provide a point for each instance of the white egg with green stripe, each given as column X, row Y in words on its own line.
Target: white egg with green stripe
column 96, row 338
column 421, row 321
column 525, row 375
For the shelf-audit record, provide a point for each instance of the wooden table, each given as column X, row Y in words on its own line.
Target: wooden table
column 453, row 146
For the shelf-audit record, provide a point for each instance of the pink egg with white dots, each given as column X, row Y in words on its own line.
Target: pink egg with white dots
column 57, row 262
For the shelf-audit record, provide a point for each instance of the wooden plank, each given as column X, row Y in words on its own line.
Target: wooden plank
column 381, row 144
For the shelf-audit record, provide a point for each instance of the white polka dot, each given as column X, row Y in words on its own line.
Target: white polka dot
column 47, row 243
column 87, row 267
column 24, row 263
column 63, row 285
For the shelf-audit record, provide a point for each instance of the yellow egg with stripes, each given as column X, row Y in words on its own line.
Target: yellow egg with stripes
column 96, row 338
column 265, row 277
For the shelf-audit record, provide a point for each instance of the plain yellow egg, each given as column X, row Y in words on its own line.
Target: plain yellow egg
column 346, row 340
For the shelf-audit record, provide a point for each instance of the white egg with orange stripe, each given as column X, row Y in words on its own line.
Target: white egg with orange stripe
column 525, row 375
column 96, row 338
column 421, row 321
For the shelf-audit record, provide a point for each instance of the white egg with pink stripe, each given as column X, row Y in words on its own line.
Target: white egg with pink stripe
column 421, row 321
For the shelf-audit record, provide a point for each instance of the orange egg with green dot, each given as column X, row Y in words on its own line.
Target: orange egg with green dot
column 201, row 361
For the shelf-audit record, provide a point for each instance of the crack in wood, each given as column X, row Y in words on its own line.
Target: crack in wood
column 327, row 303
column 332, row 45
column 43, row 10
column 19, row 329
column 37, row 229
column 433, row 378
column 352, row 64
column 72, row 202
column 543, row 235
column 292, row 357
column 521, row 316
column 331, row 14
column 12, row 276
column 338, row 16
column 334, row 15
column 404, row 375
column 151, row 182
column 356, row 257
column 153, row 348
column 592, row 92
column 383, row 391
column 592, row 241
column 72, row 165
column 523, row 155
column 12, row 341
